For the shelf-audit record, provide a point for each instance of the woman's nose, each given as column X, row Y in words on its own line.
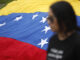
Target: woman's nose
column 48, row 22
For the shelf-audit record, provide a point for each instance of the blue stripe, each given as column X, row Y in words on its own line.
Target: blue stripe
column 26, row 29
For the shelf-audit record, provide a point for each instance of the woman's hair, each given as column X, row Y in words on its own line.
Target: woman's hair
column 65, row 15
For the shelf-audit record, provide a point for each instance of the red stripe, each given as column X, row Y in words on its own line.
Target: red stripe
column 12, row 49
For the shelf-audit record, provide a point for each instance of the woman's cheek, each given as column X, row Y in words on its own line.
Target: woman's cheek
column 53, row 28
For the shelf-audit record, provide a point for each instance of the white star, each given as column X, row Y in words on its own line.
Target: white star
column 34, row 16
column 18, row 18
column 3, row 24
column 46, row 29
column 43, row 42
column 43, row 20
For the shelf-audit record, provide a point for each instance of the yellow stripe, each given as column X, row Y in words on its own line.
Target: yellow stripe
column 31, row 6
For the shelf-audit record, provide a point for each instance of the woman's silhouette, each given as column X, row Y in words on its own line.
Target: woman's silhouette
column 65, row 44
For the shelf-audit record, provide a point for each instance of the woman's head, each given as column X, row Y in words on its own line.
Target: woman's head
column 62, row 17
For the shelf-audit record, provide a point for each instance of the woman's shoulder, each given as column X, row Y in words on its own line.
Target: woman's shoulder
column 52, row 38
column 77, row 44
column 77, row 38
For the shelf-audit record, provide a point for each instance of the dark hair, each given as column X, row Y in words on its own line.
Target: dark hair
column 65, row 14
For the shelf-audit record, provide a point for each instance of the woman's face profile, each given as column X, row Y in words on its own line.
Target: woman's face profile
column 52, row 21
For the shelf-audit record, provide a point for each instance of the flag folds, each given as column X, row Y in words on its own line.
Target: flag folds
column 24, row 31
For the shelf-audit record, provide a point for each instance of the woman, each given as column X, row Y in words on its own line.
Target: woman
column 65, row 44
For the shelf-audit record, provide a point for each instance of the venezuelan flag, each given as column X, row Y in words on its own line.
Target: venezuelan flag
column 24, row 32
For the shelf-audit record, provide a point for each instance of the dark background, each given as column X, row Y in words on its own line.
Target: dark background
column 3, row 3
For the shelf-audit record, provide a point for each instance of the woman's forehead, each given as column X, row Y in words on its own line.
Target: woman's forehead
column 50, row 13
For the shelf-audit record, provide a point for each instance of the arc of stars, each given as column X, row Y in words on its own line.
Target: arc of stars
column 34, row 16
column 18, row 18
column 43, row 42
column 46, row 29
column 2, row 24
column 43, row 20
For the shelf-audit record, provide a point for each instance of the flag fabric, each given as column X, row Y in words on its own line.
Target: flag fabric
column 24, row 35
